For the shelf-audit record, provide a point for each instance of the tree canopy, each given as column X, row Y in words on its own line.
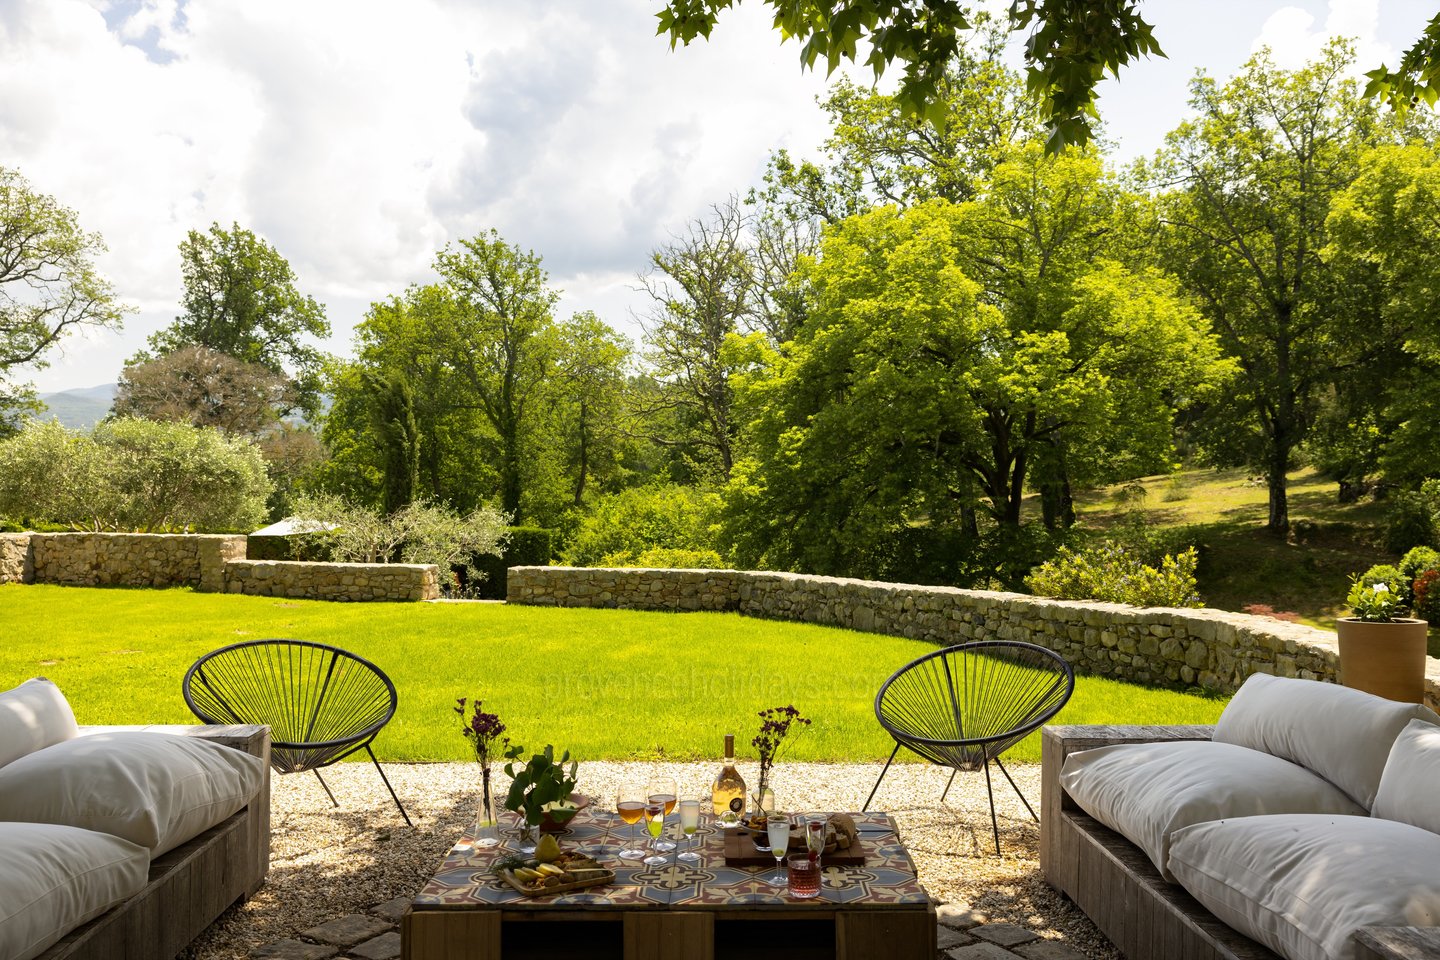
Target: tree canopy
column 49, row 285
column 240, row 298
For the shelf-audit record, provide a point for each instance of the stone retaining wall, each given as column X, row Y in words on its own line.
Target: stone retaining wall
column 118, row 559
column 210, row 563
column 1212, row 649
column 333, row 581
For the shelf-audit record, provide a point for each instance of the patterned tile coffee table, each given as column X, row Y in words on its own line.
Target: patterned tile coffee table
column 674, row 911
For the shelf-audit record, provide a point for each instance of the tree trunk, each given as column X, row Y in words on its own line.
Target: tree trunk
column 1279, row 522
column 584, row 464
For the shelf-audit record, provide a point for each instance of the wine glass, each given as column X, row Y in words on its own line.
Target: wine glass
column 777, row 826
column 630, row 804
column 690, row 822
column 655, row 824
column 662, row 791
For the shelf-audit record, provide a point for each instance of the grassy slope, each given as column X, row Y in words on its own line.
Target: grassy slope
column 1307, row 573
column 607, row 684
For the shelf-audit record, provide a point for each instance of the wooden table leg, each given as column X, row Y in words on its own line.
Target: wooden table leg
column 450, row 935
column 902, row 935
column 670, row 935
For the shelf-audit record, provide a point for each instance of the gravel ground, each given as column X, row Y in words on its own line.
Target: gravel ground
column 325, row 863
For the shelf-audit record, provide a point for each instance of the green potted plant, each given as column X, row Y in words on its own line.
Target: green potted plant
column 542, row 789
column 1382, row 650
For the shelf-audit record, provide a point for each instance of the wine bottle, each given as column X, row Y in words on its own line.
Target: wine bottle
column 728, row 791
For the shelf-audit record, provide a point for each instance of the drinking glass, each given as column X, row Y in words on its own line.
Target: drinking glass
column 815, row 824
column 777, row 827
column 655, row 824
column 690, row 822
column 804, row 876
column 662, row 791
column 630, row 804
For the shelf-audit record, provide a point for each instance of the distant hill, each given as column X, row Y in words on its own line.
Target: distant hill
column 80, row 408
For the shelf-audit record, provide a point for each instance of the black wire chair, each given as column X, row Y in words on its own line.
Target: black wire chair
column 963, row 706
column 321, row 703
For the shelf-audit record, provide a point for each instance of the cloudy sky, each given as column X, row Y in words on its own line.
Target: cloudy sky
column 361, row 136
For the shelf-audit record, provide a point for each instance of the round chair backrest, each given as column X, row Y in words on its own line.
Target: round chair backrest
column 966, row 704
column 321, row 702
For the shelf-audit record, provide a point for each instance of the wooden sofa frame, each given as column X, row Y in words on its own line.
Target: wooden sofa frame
column 190, row 886
column 1117, row 886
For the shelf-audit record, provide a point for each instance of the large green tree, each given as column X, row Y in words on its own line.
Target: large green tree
column 589, row 387
column 910, row 399
column 500, row 338
column 1384, row 236
column 240, row 298
column 49, row 285
column 1248, row 185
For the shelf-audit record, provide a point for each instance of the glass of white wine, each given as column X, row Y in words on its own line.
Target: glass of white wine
column 662, row 790
column 690, row 823
column 655, row 825
column 777, row 826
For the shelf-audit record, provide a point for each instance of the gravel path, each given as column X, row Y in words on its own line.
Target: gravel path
column 326, row 862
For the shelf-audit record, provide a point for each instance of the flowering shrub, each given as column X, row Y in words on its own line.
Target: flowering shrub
column 1427, row 596
column 1111, row 573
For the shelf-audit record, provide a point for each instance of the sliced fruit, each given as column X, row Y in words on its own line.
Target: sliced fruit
column 549, row 869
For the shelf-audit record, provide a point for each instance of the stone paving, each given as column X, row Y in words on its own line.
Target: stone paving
column 374, row 935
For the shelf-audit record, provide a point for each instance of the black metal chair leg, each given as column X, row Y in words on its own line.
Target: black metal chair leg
column 327, row 788
column 994, row 821
column 882, row 777
column 387, row 786
column 1017, row 790
column 948, row 785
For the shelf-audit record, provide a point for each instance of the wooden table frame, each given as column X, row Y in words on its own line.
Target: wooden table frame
column 860, row 928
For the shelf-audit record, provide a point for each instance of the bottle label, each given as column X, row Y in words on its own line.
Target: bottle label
column 737, row 804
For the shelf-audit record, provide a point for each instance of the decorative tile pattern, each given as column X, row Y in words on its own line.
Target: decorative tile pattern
column 464, row 880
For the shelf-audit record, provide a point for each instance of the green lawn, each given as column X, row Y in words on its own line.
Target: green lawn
column 608, row 684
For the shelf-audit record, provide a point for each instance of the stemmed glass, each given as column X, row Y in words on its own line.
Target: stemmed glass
column 662, row 791
column 777, row 825
column 655, row 824
column 690, row 823
column 630, row 804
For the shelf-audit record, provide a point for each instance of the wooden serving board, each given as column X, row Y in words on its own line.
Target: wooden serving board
column 740, row 851
column 530, row 890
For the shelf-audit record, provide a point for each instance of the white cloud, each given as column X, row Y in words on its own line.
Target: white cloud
column 360, row 136
column 1294, row 40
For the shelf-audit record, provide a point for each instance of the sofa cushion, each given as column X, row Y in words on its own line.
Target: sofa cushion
column 154, row 789
column 1302, row 885
column 1411, row 781
column 1342, row 734
column 55, row 878
column 1147, row 791
column 33, row 716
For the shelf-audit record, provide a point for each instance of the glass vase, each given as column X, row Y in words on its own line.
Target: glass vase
column 487, row 820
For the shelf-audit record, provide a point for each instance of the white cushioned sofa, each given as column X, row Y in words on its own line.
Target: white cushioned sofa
column 1305, row 825
column 122, row 842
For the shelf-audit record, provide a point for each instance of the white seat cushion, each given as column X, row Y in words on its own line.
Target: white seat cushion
column 1410, row 786
column 1147, row 791
column 1302, row 885
column 154, row 789
column 33, row 716
column 1342, row 734
column 55, row 878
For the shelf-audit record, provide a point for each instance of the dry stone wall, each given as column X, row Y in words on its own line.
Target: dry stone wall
column 333, row 581
column 1212, row 649
column 211, row 563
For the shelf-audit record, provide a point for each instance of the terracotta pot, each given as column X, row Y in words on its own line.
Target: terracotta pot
column 550, row 826
column 1386, row 659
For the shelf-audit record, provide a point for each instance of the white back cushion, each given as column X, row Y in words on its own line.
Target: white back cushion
column 1147, row 791
column 1303, row 884
column 154, row 789
column 1342, row 734
column 1410, row 786
column 33, row 716
column 56, row 878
